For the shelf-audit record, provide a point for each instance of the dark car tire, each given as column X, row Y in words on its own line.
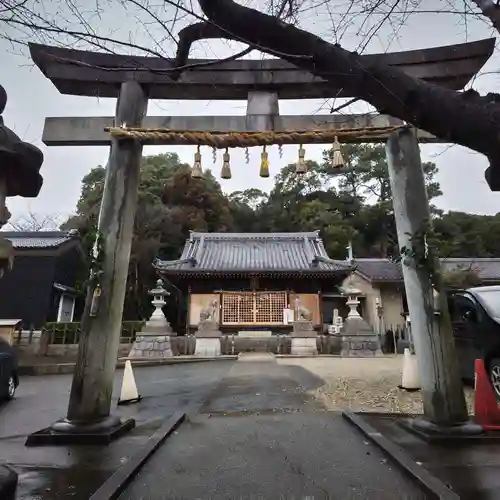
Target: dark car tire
column 10, row 390
column 494, row 373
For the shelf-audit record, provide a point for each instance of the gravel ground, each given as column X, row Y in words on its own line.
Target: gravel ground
column 365, row 384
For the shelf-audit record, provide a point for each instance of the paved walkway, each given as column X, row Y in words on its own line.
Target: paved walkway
column 261, row 436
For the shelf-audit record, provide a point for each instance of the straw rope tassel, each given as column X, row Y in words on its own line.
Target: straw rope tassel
column 196, row 171
column 337, row 158
column 301, row 166
column 225, row 173
column 264, row 163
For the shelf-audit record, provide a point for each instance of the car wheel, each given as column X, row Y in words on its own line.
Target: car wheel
column 11, row 387
column 495, row 376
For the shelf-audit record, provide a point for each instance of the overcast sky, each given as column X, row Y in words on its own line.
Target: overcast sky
column 32, row 98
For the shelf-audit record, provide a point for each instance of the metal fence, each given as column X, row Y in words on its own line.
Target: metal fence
column 69, row 333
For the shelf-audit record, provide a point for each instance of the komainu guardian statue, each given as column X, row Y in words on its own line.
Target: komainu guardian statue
column 209, row 312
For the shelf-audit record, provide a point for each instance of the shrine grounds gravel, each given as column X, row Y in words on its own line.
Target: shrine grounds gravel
column 364, row 384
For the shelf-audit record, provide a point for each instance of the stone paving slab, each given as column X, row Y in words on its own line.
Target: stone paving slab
column 261, row 435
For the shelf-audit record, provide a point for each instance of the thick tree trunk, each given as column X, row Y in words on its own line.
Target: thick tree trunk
column 462, row 118
column 491, row 10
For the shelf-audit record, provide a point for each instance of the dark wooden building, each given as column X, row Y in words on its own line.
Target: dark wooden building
column 41, row 287
column 253, row 277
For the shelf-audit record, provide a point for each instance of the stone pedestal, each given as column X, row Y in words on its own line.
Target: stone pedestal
column 304, row 346
column 154, row 340
column 149, row 346
column 208, row 338
column 358, row 337
column 304, row 339
column 208, row 347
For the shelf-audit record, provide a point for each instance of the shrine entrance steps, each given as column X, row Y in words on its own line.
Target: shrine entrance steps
column 261, row 434
column 256, row 356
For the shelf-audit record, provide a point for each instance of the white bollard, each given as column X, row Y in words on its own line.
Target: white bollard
column 410, row 379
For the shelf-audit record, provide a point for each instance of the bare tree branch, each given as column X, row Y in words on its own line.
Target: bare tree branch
column 194, row 33
column 463, row 118
column 34, row 222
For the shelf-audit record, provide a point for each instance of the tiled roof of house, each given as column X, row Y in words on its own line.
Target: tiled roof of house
column 38, row 239
column 488, row 269
column 241, row 252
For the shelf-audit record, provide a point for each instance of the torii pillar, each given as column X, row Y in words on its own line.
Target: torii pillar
column 88, row 416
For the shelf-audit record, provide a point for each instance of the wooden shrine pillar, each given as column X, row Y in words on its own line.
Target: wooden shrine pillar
column 92, row 386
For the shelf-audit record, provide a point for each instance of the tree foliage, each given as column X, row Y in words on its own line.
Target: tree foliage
column 353, row 206
column 170, row 203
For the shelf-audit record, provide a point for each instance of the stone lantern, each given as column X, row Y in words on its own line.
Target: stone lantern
column 159, row 293
column 353, row 302
column 20, row 164
column 358, row 337
column 154, row 340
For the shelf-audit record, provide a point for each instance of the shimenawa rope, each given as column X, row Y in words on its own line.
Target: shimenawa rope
column 222, row 140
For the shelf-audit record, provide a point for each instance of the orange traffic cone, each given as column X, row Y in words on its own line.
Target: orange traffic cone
column 487, row 413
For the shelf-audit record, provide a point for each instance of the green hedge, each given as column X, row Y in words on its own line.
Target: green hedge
column 69, row 333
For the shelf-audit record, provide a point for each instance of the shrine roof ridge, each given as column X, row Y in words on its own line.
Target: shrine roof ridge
column 39, row 239
column 386, row 270
column 254, row 236
column 302, row 252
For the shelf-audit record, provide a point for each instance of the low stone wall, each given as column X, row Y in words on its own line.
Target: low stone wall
column 68, row 351
column 234, row 344
column 186, row 345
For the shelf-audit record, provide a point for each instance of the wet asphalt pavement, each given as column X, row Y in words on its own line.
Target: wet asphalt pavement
column 260, row 436
column 52, row 473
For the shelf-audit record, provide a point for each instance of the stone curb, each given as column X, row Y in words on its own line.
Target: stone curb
column 68, row 368
column 118, row 481
column 8, row 483
column 433, row 486
column 312, row 356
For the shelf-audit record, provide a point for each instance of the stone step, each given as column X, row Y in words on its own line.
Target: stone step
column 256, row 356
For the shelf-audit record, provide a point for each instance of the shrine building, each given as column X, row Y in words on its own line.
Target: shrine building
column 254, row 277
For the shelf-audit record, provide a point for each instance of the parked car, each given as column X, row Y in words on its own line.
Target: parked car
column 9, row 379
column 475, row 316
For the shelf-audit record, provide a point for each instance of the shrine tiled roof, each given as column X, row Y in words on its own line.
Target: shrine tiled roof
column 258, row 252
column 29, row 240
column 385, row 270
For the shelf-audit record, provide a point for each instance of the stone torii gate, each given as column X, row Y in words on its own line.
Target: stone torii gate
column 134, row 80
